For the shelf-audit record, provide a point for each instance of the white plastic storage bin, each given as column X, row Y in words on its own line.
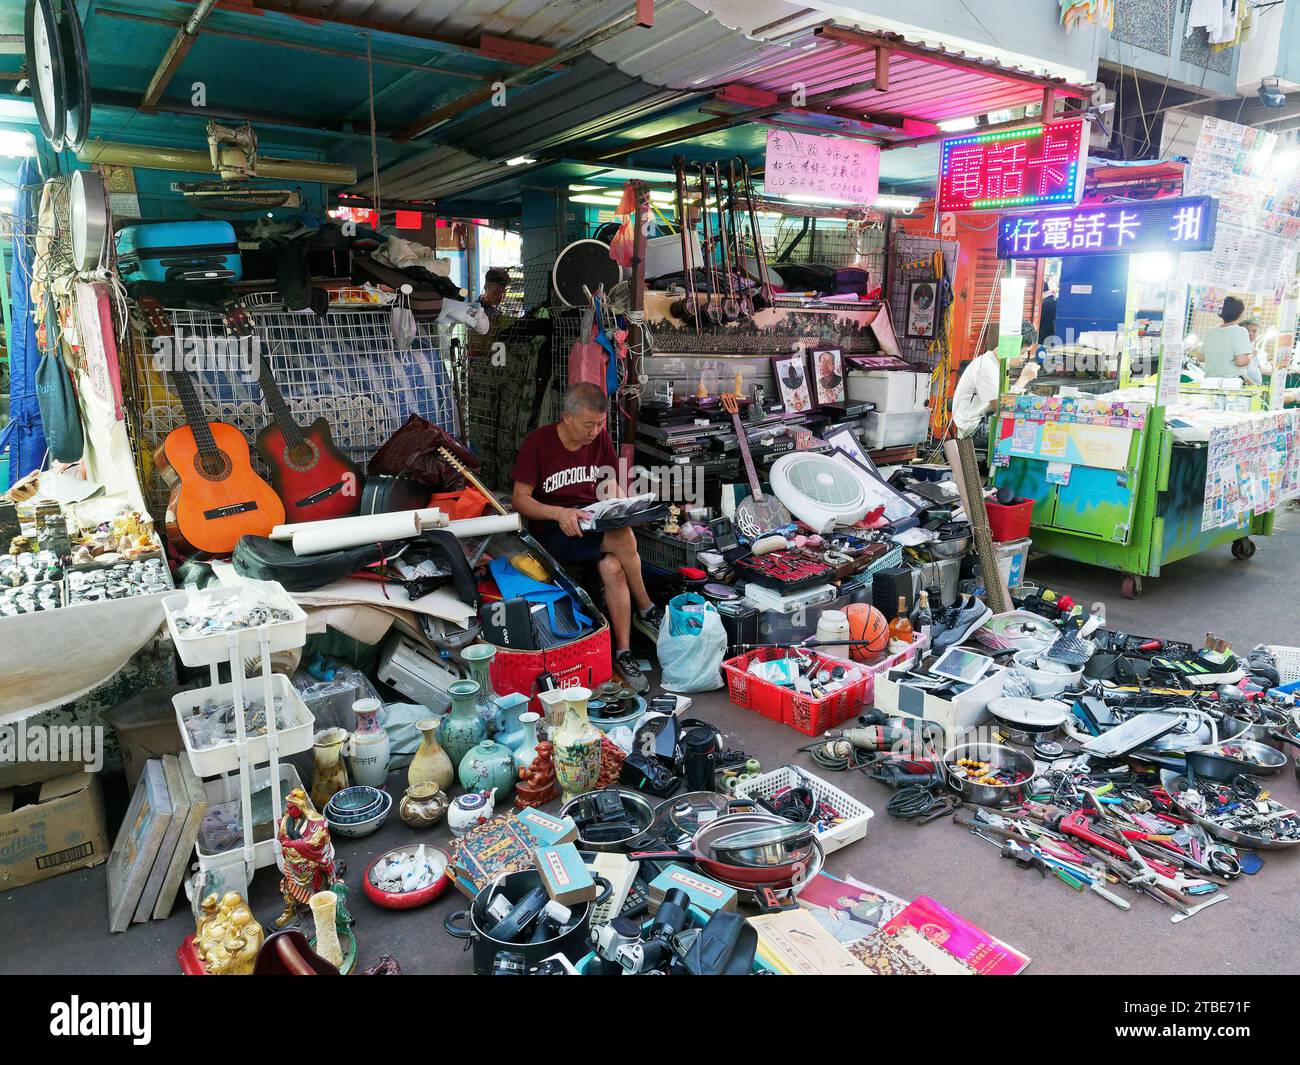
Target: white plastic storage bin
column 896, row 430
column 892, row 391
column 209, row 650
column 226, row 789
column 1013, row 561
column 857, row 815
column 224, row 757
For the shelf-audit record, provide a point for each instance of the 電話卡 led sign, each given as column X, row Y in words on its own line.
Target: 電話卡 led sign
column 1034, row 166
column 1173, row 225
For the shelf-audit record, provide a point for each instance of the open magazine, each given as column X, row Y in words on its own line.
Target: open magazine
column 615, row 513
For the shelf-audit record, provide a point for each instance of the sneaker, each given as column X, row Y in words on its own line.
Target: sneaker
column 626, row 666
column 1261, row 665
column 1204, row 669
column 953, row 625
column 648, row 623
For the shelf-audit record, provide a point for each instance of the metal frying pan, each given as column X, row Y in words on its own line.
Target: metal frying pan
column 700, row 852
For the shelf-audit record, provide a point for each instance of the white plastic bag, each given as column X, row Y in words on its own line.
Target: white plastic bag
column 692, row 643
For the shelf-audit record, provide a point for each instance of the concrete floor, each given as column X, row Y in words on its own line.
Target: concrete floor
column 60, row 925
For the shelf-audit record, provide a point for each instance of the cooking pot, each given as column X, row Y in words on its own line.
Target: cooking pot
column 997, row 755
column 638, row 810
column 471, row 925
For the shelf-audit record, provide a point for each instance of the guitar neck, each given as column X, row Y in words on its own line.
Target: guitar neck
column 279, row 408
column 194, row 416
column 742, row 438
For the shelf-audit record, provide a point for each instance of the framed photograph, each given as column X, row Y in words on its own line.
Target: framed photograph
column 922, row 309
column 791, row 373
column 828, row 376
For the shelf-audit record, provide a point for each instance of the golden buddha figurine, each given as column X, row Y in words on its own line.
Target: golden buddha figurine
column 226, row 938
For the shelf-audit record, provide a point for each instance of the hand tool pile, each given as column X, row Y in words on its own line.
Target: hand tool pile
column 1095, row 833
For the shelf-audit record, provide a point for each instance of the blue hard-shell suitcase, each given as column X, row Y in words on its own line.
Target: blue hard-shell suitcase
column 179, row 252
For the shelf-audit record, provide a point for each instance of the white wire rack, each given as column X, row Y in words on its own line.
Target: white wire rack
column 344, row 368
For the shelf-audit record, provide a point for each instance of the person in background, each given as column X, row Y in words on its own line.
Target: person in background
column 562, row 468
column 494, row 290
column 1047, row 315
column 977, row 389
column 1226, row 349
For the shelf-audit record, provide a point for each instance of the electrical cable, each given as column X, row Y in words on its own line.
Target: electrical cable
column 915, row 800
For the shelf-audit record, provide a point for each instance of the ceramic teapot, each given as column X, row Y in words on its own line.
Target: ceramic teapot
column 470, row 809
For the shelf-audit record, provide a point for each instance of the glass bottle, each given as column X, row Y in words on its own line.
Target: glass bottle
column 900, row 629
column 922, row 619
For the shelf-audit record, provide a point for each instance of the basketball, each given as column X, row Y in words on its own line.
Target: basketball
column 868, row 624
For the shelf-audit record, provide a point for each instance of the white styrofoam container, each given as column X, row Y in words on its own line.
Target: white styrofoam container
column 224, row 757
column 226, row 789
column 210, row 650
column 895, row 430
column 663, row 255
column 892, row 391
column 857, row 814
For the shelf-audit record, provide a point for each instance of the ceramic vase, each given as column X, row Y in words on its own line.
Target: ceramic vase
column 461, row 728
column 488, row 766
column 369, row 747
column 424, row 804
column 527, row 749
column 479, row 656
column 330, row 774
column 510, row 711
column 552, row 708
column 577, row 746
column 431, row 765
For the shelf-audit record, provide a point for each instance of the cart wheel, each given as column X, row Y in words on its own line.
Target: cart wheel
column 1243, row 549
column 1131, row 586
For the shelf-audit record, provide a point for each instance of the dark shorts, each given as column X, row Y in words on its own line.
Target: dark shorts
column 567, row 550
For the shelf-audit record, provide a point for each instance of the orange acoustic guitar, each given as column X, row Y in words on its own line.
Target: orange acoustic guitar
column 218, row 497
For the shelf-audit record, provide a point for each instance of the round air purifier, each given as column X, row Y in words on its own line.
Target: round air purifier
column 819, row 491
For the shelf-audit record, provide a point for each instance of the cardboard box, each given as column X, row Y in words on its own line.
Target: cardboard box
column 58, row 829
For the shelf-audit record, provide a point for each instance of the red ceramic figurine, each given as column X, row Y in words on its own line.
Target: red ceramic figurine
column 308, row 854
column 537, row 785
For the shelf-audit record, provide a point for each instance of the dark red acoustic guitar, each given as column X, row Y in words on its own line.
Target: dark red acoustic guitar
column 312, row 477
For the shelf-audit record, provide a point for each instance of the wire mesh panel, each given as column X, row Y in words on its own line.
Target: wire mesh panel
column 345, row 368
column 912, row 259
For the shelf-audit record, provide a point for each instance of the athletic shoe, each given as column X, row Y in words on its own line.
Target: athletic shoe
column 1204, row 669
column 648, row 623
column 955, row 624
column 625, row 664
column 1261, row 665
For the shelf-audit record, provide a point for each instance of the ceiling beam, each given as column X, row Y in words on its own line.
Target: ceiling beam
column 280, row 42
column 441, row 115
column 897, row 46
column 175, row 54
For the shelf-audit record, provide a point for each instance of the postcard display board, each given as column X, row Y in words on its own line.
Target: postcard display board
column 1252, row 467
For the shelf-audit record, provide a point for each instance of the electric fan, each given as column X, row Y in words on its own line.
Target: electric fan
column 821, row 492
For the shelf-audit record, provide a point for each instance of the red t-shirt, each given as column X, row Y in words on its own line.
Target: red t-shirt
column 560, row 477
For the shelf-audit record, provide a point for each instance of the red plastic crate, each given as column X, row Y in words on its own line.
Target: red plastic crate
column 801, row 712
column 584, row 663
column 1010, row 522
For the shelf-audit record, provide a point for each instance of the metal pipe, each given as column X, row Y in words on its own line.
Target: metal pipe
column 198, row 162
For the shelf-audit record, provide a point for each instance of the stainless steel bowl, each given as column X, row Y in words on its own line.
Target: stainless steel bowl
column 998, row 755
column 1177, row 785
column 1213, row 764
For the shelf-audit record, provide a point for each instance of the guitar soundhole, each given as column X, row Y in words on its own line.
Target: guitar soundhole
column 301, row 457
column 213, row 467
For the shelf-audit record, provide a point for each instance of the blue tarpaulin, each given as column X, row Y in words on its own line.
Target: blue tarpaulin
column 24, row 436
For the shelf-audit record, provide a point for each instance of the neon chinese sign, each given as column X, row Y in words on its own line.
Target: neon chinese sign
column 1182, row 224
column 1034, row 166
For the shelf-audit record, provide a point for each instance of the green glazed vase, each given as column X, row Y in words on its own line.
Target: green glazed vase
column 462, row 728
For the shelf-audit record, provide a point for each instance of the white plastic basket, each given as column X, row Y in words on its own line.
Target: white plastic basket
column 857, row 815
column 226, row 789
column 294, row 738
column 209, row 650
column 1288, row 662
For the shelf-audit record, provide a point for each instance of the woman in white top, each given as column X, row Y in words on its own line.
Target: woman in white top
column 1226, row 349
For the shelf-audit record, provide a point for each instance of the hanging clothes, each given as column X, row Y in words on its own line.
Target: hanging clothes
column 24, row 436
